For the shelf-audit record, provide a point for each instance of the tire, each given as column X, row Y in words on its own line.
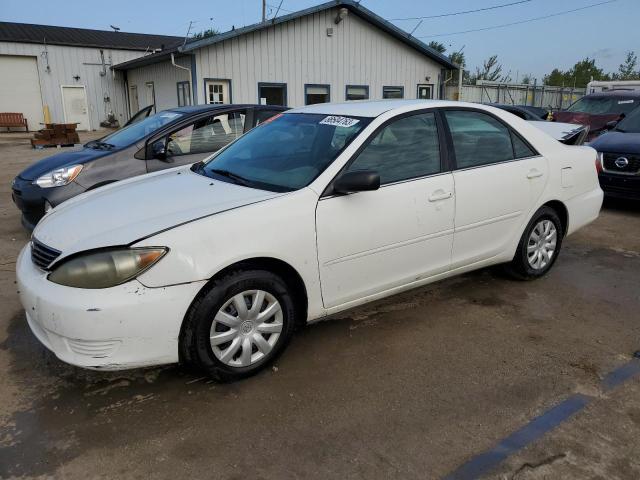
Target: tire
column 522, row 267
column 216, row 324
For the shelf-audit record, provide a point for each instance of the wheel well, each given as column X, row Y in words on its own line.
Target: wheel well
column 562, row 212
column 285, row 271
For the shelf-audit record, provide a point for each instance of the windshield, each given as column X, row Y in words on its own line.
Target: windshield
column 631, row 123
column 604, row 105
column 139, row 130
column 285, row 153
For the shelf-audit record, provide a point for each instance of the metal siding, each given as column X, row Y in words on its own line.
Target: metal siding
column 164, row 77
column 299, row 52
column 65, row 63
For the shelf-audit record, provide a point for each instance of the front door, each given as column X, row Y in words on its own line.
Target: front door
column 134, row 103
column 370, row 242
column 196, row 141
column 498, row 179
column 150, row 95
column 217, row 91
column 74, row 102
column 425, row 91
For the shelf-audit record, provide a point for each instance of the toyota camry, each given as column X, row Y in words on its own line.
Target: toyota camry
column 317, row 210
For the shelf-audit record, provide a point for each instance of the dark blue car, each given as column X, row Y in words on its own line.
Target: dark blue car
column 167, row 139
column 619, row 158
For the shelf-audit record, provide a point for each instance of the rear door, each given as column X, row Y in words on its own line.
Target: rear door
column 498, row 179
column 195, row 141
column 370, row 242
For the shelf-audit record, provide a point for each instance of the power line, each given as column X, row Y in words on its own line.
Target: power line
column 520, row 22
column 463, row 12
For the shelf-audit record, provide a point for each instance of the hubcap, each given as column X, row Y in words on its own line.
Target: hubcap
column 246, row 328
column 542, row 244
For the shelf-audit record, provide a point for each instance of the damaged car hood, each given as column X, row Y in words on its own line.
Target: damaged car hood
column 123, row 212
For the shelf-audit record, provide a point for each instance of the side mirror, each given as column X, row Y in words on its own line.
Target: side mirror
column 358, row 181
column 611, row 125
column 159, row 150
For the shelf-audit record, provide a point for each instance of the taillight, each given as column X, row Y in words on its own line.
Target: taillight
column 599, row 162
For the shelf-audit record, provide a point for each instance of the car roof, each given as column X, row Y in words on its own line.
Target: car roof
column 191, row 109
column 374, row 108
column 616, row 93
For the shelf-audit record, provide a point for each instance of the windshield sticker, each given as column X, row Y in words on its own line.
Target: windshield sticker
column 622, row 102
column 336, row 121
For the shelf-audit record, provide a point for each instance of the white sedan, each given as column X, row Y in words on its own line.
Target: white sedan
column 315, row 211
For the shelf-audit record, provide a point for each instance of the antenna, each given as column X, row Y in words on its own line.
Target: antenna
column 188, row 32
column 115, row 29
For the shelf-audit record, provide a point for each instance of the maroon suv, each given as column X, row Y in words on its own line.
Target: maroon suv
column 599, row 109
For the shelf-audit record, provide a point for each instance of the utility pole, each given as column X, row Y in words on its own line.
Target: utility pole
column 264, row 11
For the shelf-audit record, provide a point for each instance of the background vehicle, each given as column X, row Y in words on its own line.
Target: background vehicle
column 526, row 112
column 619, row 158
column 319, row 210
column 149, row 143
column 567, row 133
column 598, row 109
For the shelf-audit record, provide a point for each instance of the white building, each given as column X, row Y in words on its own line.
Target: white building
column 335, row 51
column 67, row 72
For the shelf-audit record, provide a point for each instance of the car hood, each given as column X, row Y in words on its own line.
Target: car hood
column 79, row 155
column 124, row 212
column 595, row 122
column 617, row 142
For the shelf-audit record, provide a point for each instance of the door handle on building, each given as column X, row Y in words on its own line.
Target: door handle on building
column 440, row 195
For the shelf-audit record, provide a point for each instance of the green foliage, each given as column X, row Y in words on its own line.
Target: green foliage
column 628, row 69
column 491, row 70
column 209, row 32
column 437, row 46
column 578, row 76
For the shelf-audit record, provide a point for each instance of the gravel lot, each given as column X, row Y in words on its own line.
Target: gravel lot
column 410, row 387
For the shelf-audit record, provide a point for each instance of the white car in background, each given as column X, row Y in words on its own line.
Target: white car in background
column 315, row 211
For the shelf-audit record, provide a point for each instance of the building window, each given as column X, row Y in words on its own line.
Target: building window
column 392, row 92
column 425, row 91
column 357, row 92
column 184, row 94
column 272, row 94
column 217, row 91
column 316, row 94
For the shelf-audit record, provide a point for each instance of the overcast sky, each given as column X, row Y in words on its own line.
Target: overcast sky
column 605, row 32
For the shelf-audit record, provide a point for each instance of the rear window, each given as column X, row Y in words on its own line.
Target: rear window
column 604, row 105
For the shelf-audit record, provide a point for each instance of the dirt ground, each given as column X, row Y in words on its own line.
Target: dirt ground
column 410, row 387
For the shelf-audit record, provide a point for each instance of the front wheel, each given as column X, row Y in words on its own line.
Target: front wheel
column 539, row 246
column 239, row 325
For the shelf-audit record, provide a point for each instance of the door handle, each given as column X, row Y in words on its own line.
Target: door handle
column 534, row 173
column 440, row 195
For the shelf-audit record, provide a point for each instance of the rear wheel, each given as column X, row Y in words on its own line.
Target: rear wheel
column 539, row 246
column 239, row 325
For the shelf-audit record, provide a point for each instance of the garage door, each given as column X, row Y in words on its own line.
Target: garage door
column 20, row 88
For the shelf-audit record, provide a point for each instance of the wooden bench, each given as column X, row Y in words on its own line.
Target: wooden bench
column 13, row 120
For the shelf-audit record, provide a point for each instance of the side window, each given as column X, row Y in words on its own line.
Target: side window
column 407, row 148
column 521, row 149
column 207, row 135
column 478, row 138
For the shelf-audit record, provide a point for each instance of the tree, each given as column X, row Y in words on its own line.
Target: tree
column 437, row 46
column 491, row 70
column 209, row 32
column 526, row 79
column 578, row 76
column 627, row 69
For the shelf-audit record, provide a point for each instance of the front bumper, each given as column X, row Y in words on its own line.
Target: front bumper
column 620, row 186
column 116, row 328
column 30, row 198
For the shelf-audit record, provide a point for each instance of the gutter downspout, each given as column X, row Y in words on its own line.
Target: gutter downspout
column 173, row 62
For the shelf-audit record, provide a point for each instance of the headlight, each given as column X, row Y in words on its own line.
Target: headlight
column 106, row 268
column 59, row 177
